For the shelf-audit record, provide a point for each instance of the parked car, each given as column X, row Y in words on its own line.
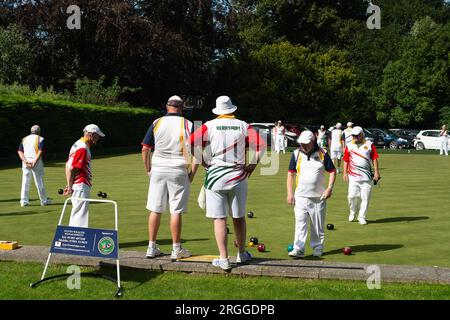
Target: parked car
column 406, row 133
column 388, row 139
column 265, row 130
column 428, row 139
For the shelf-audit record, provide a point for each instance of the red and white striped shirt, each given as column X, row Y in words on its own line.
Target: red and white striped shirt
column 80, row 158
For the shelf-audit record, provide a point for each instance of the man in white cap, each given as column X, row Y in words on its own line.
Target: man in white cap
column 165, row 143
column 358, row 172
column 79, row 175
column 322, row 137
column 336, row 146
column 227, row 139
column 348, row 133
column 30, row 152
column 308, row 165
column 279, row 137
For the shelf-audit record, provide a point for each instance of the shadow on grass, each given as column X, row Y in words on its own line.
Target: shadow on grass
column 138, row 276
column 28, row 213
column 160, row 242
column 367, row 248
column 399, row 219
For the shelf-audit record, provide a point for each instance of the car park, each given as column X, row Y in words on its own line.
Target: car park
column 388, row 139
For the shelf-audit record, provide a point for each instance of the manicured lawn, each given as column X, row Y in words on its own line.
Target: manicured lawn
column 408, row 217
column 15, row 279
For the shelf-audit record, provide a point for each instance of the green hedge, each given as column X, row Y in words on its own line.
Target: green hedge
column 62, row 122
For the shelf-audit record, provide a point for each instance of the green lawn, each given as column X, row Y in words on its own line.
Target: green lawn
column 408, row 216
column 15, row 279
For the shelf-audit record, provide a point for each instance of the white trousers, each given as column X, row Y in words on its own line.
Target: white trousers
column 279, row 143
column 312, row 209
column 79, row 216
column 444, row 146
column 38, row 174
column 359, row 196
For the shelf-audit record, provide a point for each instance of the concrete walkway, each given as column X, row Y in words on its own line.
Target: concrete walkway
column 305, row 269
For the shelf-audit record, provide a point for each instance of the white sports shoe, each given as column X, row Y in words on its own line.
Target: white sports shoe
column 362, row 221
column 24, row 204
column 351, row 217
column 318, row 252
column 179, row 254
column 46, row 202
column 222, row 263
column 243, row 257
column 153, row 252
column 297, row 253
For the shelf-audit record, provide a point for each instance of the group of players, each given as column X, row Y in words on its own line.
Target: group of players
column 172, row 153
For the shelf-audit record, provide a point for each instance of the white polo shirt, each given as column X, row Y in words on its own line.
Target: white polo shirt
column 336, row 140
column 310, row 171
column 167, row 137
column 31, row 145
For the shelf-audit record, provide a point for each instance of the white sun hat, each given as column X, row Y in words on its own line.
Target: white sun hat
column 93, row 128
column 224, row 106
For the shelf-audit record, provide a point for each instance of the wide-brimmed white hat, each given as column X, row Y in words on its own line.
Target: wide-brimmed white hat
column 93, row 128
column 305, row 137
column 224, row 106
column 356, row 131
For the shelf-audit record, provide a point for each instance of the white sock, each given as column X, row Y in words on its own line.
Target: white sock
column 176, row 246
column 152, row 244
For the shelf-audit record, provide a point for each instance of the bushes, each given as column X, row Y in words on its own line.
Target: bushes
column 62, row 122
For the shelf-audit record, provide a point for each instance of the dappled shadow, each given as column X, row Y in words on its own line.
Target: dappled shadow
column 160, row 242
column 367, row 248
column 399, row 219
column 27, row 213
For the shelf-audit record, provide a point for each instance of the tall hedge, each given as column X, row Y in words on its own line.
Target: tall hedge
column 62, row 123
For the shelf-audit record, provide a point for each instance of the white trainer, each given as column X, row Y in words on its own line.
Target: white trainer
column 297, row 253
column 46, row 202
column 243, row 257
column 179, row 254
column 362, row 221
column 153, row 252
column 318, row 252
column 222, row 263
column 351, row 217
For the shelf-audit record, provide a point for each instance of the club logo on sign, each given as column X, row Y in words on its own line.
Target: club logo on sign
column 106, row 245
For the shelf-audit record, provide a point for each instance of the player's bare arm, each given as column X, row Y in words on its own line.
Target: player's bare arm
column 146, row 152
column 290, row 191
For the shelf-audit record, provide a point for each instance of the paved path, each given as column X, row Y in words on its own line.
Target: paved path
column 305, row 269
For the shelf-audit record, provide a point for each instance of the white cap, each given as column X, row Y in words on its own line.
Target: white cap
column 356, row 131
column 93, row 128
column 224, row 106
column 35, row 129
column 338, row 125
column 305, row 137
column 175, row 101
column 349, row 124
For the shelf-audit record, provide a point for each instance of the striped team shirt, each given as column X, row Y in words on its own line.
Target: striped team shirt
column 359, row 158
column 168, row 138
column 80, row 158
column 310, row 170
column 225, row 141
column 31, row 145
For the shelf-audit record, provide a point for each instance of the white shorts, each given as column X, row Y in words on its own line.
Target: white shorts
column 168, row 187
column 336, row 154
column 221, row 202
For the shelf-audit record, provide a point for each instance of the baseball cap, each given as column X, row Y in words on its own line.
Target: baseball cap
column 175, row 101
column 338, row 125
column 349, row 124
column 305, row 137
column 93, row 128
column 35, row 129
column 356, row 131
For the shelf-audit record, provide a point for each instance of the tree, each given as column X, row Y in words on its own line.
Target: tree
column 16, row 55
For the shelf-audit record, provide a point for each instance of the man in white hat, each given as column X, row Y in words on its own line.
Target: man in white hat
column 308, row 165
column 348, row 133
column 226, row 139
column 358, row 172
column 322, row 137
column 79, row 175
column 279, row 132
column 165, row 143
column 337, row 146
column 30, row 152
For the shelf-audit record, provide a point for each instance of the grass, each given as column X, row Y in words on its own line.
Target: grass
column 408, row 214
column 15, row 278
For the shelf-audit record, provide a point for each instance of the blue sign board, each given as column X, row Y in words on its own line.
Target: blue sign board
column 86, row 242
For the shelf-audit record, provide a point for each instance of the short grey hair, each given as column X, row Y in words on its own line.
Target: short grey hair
column 35, row 129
